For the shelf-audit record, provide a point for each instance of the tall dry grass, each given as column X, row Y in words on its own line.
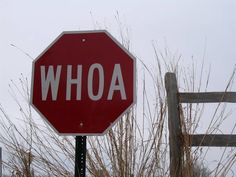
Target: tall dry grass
column 136, row 146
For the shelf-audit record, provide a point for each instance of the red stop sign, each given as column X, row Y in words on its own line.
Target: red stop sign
column 83, row 82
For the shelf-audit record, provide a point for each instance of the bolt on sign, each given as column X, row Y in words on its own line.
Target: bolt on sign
column 83, row 82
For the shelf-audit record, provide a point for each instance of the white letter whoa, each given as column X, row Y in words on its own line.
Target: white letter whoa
column 71, row 81
column 50, row 80
column 117, row 76
column 99, row 67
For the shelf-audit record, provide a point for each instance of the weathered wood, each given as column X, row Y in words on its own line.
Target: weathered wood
column 174, row 125
column 175, row 133
column 214, row 140
column 207, row 97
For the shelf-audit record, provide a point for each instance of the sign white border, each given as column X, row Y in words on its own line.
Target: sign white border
column 134, row 82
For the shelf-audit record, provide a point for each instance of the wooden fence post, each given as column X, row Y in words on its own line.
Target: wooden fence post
column 175, row 132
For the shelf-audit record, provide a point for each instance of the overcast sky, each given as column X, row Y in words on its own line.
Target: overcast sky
column 186, row 27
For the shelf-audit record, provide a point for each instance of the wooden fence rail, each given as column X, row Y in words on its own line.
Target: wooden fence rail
column 174, row 99
column 207, row 97
column 215, row 140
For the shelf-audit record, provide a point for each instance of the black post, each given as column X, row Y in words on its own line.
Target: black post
column 0, row 162
column 80, row 156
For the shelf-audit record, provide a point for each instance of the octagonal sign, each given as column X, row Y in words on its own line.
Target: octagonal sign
column 83, row 82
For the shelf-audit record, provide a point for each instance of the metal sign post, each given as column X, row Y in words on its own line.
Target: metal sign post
column 80, row 156
column 0, row 162
column 104, row 74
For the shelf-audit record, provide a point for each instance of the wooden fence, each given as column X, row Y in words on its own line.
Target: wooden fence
column 174, row 99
